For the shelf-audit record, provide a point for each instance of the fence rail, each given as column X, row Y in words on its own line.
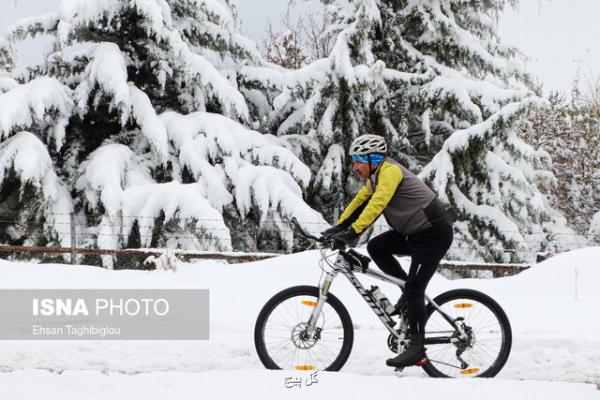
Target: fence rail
column 232, row 257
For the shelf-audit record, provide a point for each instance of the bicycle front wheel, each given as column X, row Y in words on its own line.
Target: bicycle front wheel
column 282, row 341
column 489, row 336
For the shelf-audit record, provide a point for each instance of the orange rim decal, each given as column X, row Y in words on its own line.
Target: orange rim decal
column 469, row 371
column 463, row 305
column 305, row 367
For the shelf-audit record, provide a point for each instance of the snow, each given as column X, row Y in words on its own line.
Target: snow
column 331, row 169
column 109, row 170
column 487, row 215
column 205, row 74
column 267, row 385
column 177, row 201
column 552, row 309
column 224, row 136
column 150, row 124
column 7, row 83
column 271, row 189
column 108, row 70
column 27, row 156
column 39, row 24
column 114, row 177
column 595, row 226
column 32, row 105
column 82, row 12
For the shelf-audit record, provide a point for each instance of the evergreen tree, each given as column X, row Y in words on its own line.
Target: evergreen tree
column 433, row 77
column 137, row 121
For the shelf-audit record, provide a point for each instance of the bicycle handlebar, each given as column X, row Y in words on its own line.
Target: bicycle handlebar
column 333, row 244
column 351, row 256
column 303, row 232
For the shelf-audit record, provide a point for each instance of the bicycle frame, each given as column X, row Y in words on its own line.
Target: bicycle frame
column 341, row 265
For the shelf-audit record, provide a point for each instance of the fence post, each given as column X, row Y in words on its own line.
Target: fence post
column 73, row 238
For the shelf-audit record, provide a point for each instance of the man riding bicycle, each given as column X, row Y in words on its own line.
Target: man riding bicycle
column 421, row 228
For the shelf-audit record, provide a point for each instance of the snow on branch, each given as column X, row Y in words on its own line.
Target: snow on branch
column 199, row 71
column 7, row 83
column 332, row 167
column 28, row 157
column 43, row 102
column 107, row 71
column 440, row 171
column 488, row 215
column 227, row 138
column 217, row 11
column 220, row 153
column 184, row 202
column 115, row 180
column 81, row 13
column 274, row 193
column 33, row 26
column 494, row 126
column 107, row 172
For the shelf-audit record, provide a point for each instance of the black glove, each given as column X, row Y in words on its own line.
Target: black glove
column 332, row 231
column 345, row 236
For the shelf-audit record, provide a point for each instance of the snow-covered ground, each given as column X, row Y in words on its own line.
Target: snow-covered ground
column 552, row 308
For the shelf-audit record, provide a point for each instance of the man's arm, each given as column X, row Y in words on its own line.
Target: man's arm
column 356, row 206
column 390, row 178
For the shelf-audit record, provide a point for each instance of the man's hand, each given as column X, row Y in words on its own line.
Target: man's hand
column 333, row 231
column 346, row 236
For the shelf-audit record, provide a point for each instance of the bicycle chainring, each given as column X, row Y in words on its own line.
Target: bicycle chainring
column 392, row 342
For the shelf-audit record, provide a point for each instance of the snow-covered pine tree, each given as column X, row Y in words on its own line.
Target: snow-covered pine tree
column 139, row 126
column 434, row 78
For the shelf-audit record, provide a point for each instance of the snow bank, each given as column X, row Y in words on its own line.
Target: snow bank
column 265, row 385
column 554, row 336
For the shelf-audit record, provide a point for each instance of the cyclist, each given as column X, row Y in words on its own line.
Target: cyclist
column 421, row 228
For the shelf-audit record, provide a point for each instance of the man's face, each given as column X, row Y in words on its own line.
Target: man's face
column 361, row 169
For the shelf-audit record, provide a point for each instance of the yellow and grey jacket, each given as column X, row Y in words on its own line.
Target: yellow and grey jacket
column 405, row 200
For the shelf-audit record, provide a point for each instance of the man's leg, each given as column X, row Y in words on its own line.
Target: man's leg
column 421, row 271
column 382, row 249
column 427, row 249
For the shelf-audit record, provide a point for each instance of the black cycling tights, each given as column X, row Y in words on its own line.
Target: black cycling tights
column 426, row 249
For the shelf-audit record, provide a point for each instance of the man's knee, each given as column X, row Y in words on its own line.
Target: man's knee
column 373, row 247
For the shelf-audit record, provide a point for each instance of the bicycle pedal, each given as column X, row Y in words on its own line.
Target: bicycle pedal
column 422, row 362
column 399, row 369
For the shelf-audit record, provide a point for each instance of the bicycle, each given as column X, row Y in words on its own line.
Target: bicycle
column 467, row 334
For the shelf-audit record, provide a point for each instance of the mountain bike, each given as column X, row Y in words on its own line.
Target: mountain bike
column 467, row 334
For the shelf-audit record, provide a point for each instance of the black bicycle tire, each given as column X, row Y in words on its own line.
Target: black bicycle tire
column 505, row 349
column 335, row 303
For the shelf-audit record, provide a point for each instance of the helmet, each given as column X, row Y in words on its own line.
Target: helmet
column 368, row 144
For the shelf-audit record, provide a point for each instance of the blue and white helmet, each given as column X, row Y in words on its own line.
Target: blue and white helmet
column 368, row 144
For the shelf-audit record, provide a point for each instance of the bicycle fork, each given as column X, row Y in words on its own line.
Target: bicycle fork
column 323, row 292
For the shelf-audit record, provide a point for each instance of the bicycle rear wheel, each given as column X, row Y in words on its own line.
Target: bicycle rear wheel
column 483, row 353
column 280, row 338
